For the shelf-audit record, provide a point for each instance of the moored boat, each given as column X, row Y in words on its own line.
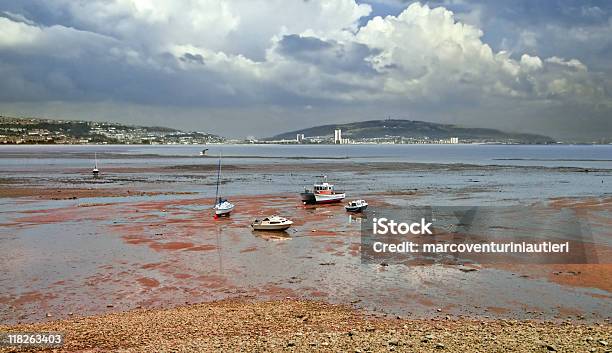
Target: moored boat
column 222, row 206
column 272, row 223
column 356, row 206
column 95, row 170
column 322, row 192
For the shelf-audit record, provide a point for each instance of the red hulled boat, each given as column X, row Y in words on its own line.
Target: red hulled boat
column 322, row 192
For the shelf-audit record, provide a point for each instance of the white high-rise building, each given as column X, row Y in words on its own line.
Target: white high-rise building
column 338, row 136
column 300, row 138
column 454, row 140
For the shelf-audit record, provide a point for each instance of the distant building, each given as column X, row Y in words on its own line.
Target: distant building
column 454, row 140
column 338, row 136
column 300, row 138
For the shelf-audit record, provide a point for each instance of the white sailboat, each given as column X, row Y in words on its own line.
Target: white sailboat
column 222, row 206
column 95, row 170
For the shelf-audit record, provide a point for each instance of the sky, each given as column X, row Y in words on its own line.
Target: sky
column 260, row 67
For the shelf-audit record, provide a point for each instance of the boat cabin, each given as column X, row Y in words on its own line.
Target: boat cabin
column 323, row 188
column 273, row 220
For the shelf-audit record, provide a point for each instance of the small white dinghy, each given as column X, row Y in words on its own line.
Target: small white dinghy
column 271, row 223
column 356, row 206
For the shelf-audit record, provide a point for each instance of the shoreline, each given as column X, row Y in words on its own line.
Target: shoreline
column 295, row 142
column 341, row 163
column 301, row 326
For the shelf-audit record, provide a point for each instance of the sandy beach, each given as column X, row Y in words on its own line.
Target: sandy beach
column 304, row 326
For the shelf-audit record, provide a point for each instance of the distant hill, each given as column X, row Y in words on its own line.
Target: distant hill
column 390, row 128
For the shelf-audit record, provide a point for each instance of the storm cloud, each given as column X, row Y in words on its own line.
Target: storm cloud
column 260, row 67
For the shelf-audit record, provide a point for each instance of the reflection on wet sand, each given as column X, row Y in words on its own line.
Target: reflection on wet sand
column 271, row 235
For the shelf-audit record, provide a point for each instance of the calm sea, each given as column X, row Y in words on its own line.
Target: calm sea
column 584, row 156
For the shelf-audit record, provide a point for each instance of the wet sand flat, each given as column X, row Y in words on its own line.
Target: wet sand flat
column 143, row 236
column 122, row 254
column 71, row 193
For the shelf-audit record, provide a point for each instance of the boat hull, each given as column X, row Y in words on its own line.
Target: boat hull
column 355, row 209
column 329, row 198
column 224, row 210
column 274, row 227
column 308, row 198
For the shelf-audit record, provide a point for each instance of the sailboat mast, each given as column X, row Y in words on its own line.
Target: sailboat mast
column 96, row 160
column 218, row 179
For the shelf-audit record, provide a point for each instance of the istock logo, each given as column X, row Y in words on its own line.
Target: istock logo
column 382, row 226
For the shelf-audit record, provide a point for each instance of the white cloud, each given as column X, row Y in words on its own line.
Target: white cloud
column 573, row 63
column 531, row 63
column 237, row 27
column 13, row 33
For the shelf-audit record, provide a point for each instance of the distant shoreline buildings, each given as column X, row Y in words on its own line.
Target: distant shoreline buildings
column 339, row 140
column 47, row 131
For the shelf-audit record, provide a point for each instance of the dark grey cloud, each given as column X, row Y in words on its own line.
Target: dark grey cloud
column 295, row 44
column 329, row 55
column 194, row 58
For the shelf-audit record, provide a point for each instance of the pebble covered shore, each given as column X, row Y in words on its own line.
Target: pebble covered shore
column 305, row 326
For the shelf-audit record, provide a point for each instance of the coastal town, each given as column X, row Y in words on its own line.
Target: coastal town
column 338, row 139
column 32, row 130
column 48, row 131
